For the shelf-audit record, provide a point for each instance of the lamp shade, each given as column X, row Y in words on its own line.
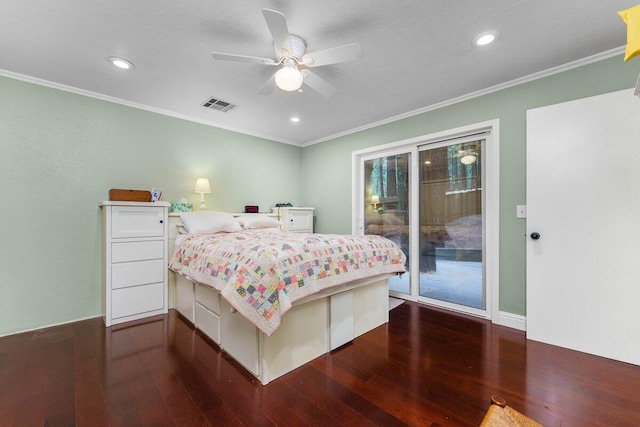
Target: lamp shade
column 202, row 186
column 375, row 199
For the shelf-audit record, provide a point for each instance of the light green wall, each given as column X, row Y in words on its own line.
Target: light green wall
column 60, row 153
column 327, row 166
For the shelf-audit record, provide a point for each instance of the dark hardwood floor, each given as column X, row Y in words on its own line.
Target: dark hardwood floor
column 425, row 368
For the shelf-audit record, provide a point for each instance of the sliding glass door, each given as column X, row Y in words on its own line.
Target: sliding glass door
column 437, row 199
column 386, row 206
column 450, row 234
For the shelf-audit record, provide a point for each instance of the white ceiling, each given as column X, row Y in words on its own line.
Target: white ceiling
column 416, row 53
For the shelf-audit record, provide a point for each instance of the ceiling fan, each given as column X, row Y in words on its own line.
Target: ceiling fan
column 293, row 59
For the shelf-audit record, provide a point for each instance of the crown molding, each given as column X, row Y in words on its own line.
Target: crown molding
column 531, row 77
column 107, row 98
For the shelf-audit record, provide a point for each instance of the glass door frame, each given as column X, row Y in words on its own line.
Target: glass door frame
column 491, row 202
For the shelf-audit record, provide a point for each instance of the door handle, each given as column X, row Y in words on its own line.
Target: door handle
column 535, row 235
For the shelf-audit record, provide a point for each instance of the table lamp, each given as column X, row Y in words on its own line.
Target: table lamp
column 202, row 187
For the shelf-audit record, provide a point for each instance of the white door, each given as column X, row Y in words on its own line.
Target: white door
column 583, row 200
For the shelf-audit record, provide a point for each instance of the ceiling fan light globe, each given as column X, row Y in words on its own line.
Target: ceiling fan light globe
column 288, row 78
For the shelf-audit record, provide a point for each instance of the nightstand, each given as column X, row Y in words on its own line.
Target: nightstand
column 296, row 219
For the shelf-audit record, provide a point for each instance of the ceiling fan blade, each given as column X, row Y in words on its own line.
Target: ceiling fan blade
column 348, row 52
column 242, row 58
column 317, row 83
column 268, row 87
column 277, row 24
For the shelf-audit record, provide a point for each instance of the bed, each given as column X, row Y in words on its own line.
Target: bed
column 273, row 300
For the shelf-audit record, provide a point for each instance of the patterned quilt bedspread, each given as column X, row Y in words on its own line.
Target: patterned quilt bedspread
column 261, row 273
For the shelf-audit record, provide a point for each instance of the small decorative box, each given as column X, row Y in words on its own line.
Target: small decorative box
column 129, row 195
column 181, row 207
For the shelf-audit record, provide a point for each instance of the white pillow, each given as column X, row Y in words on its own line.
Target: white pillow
column 258, row 221
column 182, row 229
column 209, row 222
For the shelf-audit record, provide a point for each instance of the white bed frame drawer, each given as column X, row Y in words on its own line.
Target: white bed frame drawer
column 137, row 299
column 185, row 301
column 137, row 221
column 307, row 330
column 136, row 251
column 239, row 338
column 209, row 298
column 208, row 322
column 340, row 319
column 137, row 273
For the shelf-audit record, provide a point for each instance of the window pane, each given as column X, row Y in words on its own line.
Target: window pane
column 451, row 224
column 387, row 206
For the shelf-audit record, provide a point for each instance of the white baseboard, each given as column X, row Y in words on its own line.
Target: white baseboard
column 509, row 320
column 48, row 326
column 515, row 321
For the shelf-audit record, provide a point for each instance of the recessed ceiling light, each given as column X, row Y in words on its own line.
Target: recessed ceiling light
column 295, row 119
column 120, row 62
column 485, row 38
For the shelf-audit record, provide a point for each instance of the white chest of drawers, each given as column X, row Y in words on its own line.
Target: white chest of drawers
column 134, row 264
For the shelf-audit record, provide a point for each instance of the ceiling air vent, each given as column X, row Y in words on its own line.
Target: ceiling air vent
column 216, row 104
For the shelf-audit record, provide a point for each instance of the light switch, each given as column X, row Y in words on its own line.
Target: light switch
column 521, row 211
